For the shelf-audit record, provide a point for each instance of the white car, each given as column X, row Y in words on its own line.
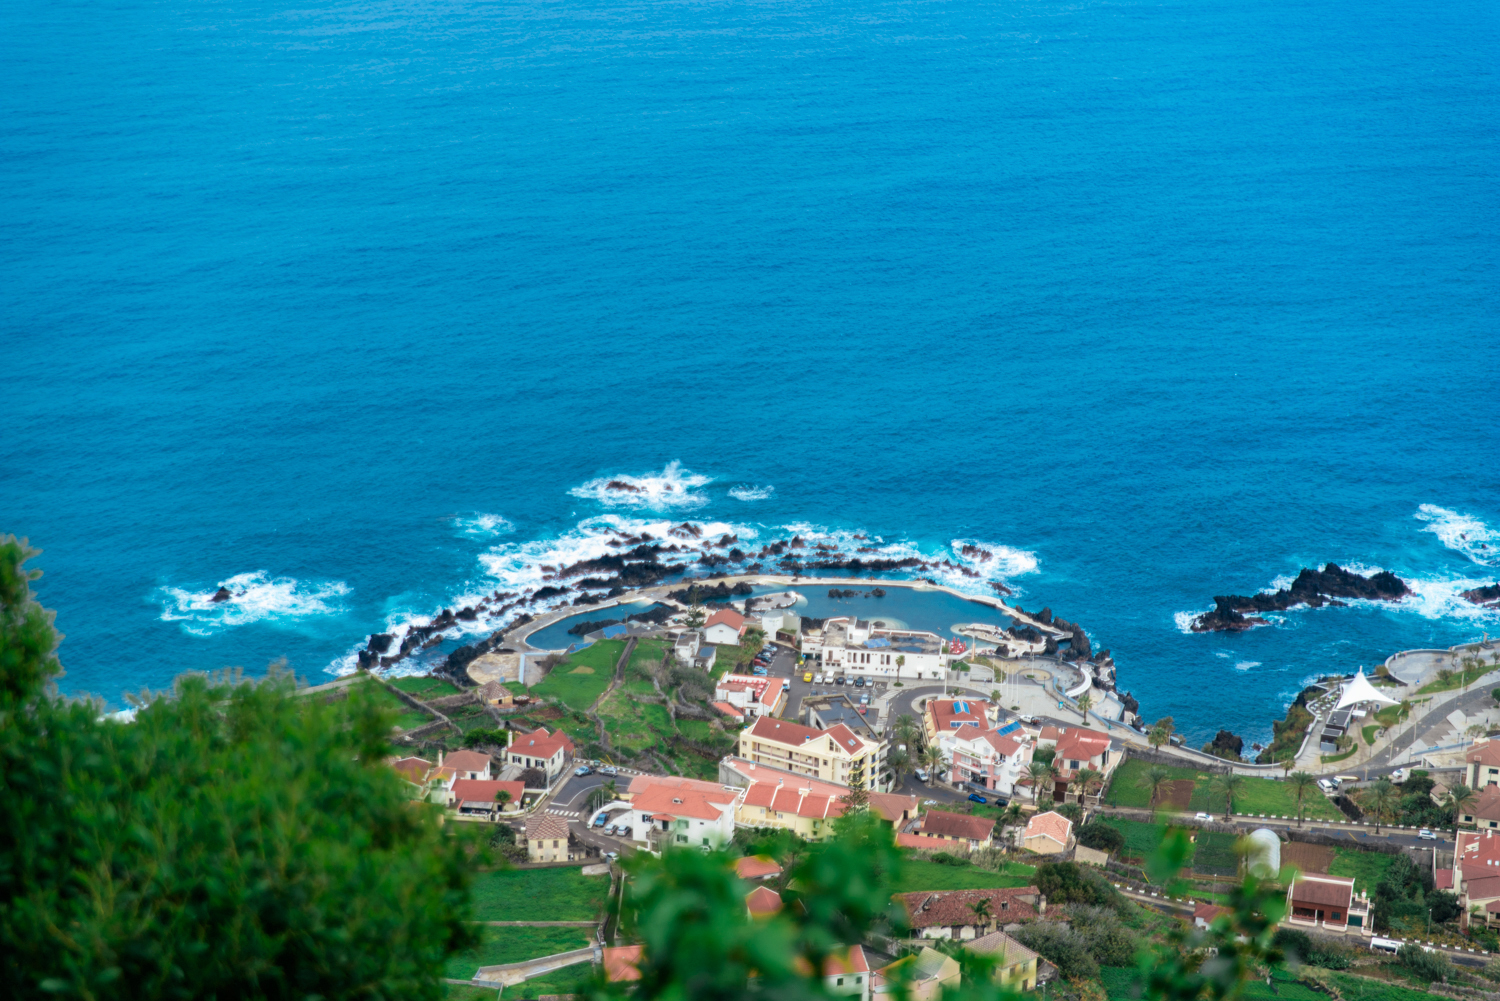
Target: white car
column 1399, row 775
column 1426, row 835
column 1202, row 816
column 921, row 774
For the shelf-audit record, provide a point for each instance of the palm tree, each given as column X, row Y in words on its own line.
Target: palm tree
column 1157, row 736
column 905, row 730
column 1011, row 817
column 1085, row 703
column 932, row 759
column 1086, row 778
column 1459, row 797
column 981, row 909
column 1040, row 772
column 899, row 761
column 1301, row 784
column 1380, row 800
column 1157, row 778
column 1227, row 784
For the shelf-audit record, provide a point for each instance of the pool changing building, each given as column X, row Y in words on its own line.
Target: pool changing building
column 852, row 646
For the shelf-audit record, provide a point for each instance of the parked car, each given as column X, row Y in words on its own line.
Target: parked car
column 864, row 700
column 583, row 770
column 839, row 680
column 610, row 829
column 601, row 820
column 1202, row 816
column 974, row 797
column 921, row 774
column 1399, row 775
column 622, row 831
column 807, row 676
column 609, row 770
column 1426, row 835
column 859, row 682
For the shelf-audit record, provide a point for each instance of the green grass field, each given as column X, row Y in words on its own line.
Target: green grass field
column 1367, row 868
column 511, row 945
column 1141, row 838
column 1128, row 787
column 1285, row 987
column 1215, row 854
column 470, row 992
column 1370, row 732
column 578, row 681
column 634, row 725
column 925, row 874
column 568, row 980
column 1355, row 988
column 1120, row 983
column 561, row 894
column 424, row 687
column 407, row 718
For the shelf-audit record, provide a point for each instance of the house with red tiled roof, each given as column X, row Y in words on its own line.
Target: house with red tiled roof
column 549, row 752
column 472, row 796
column 546, row 837
column 467, row 764
column 724, row 628
column 836, row 754
column 1204, row 914
column 756, row 867
column 893, row 808
column 989, row 759
column 1015, row 965
column 943, row 831
column 1329, row 904
column 845, row 974
column 951, row 913
column 1475, row 876
column 622, row 963
column 1482, row 764
column 1048, row 833
column 735, row 714
column 946, row 717
column 755, row 696
column 1078, row 748
column 763, row 902
column 775, row 797
column 1483, row 811
column 919, row 976
column 681, row 811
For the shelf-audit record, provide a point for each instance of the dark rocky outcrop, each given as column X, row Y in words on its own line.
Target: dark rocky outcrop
column 694, row 593
column 656, row 614
column 1225, row 742
column 1131, row 705
column 222, row 594
column 622, row 486
column 380, row 642
column 1314, row 588
column 834, row 592
column 549, row 592
column 1488, row 595
column 858, row 565
column 1000, row 588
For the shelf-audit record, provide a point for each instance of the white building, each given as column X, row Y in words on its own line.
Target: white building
column 852, row 646
column 685, row 647
column 992, row 759
column 685, row 811
column 752, row 695
column 724, row 628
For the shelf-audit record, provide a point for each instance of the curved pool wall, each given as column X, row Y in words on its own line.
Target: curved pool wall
column 555, row 636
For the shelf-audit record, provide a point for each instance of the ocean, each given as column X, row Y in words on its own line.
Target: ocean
column 357, row 308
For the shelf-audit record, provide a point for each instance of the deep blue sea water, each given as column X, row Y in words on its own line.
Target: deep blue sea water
column 358, row 304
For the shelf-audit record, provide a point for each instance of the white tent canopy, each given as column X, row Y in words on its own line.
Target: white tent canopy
column 1359, row 689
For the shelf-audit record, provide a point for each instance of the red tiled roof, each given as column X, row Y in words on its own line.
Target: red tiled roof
column 546, row 825
column 622, row 962
column 845, row 738
column 540, row 743
column 1486, row 805
column 762, row 901
column 905, row 840
column 738, row 715
column 1484, row 888
column 1477, row 855
column 926, row 909
column 1443, row 879
column 1080, row 745
column 485, row 791
column 783, row 732
column 957, row 825
column 756, row 867
column 1207, row 912
column 1487, row 753
column 681, row 801
column 853, row 961
column 890, row 806
column 412, row 769
column 1331, row 891
column 729, row 617
column 467, row 761
column 800, row 796
column 1049, row 825
column 944, row 716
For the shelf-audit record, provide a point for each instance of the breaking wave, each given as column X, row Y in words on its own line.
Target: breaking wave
column 483, row 526
column 1462, row 533
column 1245, row 665
column 751, row 493
column 673, row 487
column 255, row 597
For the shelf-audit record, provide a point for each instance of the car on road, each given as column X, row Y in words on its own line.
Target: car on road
column 864, row 699
column 1426, row 835
column 611, row 855
column 622, row 831
column 1399, row 775
column 974, row 797
column 583, row 770
column 1033, row 720
column 921, row 774
column 807, row 677
column 1202, row 816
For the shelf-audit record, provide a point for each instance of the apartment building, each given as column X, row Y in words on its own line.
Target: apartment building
column 852, row 646
column 837, row 754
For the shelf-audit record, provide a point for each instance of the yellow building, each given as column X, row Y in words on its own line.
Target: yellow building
column 1015, row 965
column 836, row 755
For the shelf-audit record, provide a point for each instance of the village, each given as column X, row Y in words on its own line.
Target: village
column 718, row 727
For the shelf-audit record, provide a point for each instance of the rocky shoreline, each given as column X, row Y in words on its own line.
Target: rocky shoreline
column 1313, row 588
column 1487, row 596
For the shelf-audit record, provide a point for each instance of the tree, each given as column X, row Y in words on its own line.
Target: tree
column 1495, row 694
column 1301, row 784
column 695, row 616
column 906, row 731
column 858, row 796
column 1380, row 801
column 1085, row 703
column 932, row 759
column 233, row 840
column 1157, row 736
column 1100, row 836
column 1167, row 724
column 1227, row 784
column 1157, row 778
column 981, row 909
column 503, row 798
column 1041, row 773
column 1459, row 797
column 900, row 662
column 1087, row 779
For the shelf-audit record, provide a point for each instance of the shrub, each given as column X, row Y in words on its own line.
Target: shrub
column 1110, row 943
column 1101, row 837
column 1064, row 948
column 1296, row 944
column 1429, row 966
column 1070, row 883
column 1072, row 811
column 943, row 858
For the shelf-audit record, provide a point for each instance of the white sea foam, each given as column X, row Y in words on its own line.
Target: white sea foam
column 673, row 487
column 1245, row 665
column 257, row 597
column 483, row 526
column 1462, row 533
column 751, row 493
column 1004, row 561
column 1184, row 621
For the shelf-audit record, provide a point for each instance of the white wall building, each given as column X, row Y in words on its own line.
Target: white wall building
column 854, row 647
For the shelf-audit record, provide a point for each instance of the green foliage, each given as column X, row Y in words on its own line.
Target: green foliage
column 486, row 735
column 1102, row 837
column 1354, row 988
column 1044, row 755
column 1429, row 966
column 943, row 858
column 1216, row 854
column 1071, row 883
column 1367, row 868
column 1109, row 942
column 232, row 841
column 1287, row 735
column 425, row 687
column 1072, row 811
column 1299, row 948
column 561, row 894
column 1059, row 945
column 925, row 874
